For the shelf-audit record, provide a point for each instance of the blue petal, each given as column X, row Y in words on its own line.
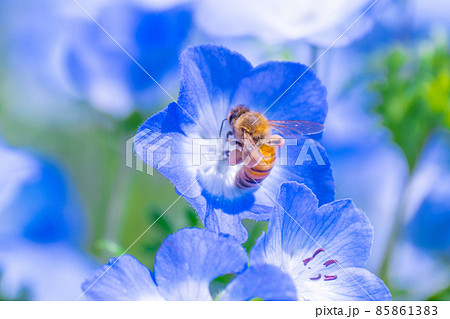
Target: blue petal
column 353, row 284
column 190, row 259
column 305, row 162
column 50, row 271
column 298, row 228
column 210, row 75
column 283, row 91
column 220, row 222
column 227, row 222
column 261, row 281
column 160, row 142
column 123, row 278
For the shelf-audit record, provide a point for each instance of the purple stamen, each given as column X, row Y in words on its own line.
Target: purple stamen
column 317, row 252
column 328, row 278
column 329, row 262
column 316, row 278
column 307, row 260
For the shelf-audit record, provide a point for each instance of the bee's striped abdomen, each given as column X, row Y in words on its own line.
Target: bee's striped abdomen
column 250, row 176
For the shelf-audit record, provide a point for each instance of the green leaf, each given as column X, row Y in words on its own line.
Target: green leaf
column 22, row 295
column 443, row 295
column 132, row 122
column 414, row 95
column 111, row 248
column 217, row 286
column 255, row 229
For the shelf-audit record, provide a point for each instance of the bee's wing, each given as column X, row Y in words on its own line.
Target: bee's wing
column 299, row 127
column 251, row 155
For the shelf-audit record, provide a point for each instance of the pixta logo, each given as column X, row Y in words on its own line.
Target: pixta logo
column 152, row 147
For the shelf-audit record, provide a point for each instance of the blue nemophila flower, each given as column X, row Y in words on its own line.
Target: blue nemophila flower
column 323, row 249
column 41, row 230
column 178, row 139
column 185, row 265
column 261, row 281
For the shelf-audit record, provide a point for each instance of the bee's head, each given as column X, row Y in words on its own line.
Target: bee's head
column 236, row 113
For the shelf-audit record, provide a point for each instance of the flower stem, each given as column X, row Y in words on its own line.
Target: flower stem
column 116, row 206
column 396, row 231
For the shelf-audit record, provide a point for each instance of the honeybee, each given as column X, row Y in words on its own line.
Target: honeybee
column 257, row 146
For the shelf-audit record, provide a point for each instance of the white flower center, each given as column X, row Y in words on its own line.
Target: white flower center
column 215, row 174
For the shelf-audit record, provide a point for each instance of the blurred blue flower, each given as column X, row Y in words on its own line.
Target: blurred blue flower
column 261, row 281
column 367, row 166
column 215, row 80
column 105, row 75
column 429, row 228
column 362, row 153
column 318, row 22
column 41, row 230
column 426, row 230
column 429, row 14
column 76, row 56
column 323, row 249
column 185, row 264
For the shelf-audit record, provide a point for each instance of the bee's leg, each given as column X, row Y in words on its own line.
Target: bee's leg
column 234, row 143
column 276, row 141
column 229, row 134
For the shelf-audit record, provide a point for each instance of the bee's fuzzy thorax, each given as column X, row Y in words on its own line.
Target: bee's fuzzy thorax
column 255, row 124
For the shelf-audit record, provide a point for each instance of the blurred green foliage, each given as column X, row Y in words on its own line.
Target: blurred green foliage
column 23, row 294
column 443, row 295
column 415, row 95
column 255, row 228
column 217, row 286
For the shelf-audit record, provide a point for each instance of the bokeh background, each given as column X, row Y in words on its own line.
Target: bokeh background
column 71, row 96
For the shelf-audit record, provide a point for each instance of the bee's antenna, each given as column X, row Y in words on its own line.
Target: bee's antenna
column 221, row 127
